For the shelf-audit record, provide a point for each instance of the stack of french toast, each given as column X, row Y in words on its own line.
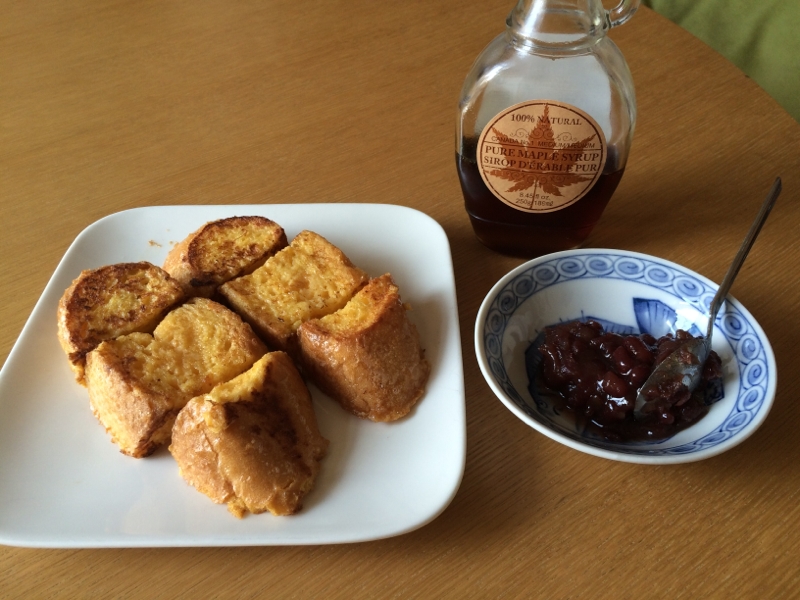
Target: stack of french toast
column 209, row 355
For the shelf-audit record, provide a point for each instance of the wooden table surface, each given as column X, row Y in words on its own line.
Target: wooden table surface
column 109, row 105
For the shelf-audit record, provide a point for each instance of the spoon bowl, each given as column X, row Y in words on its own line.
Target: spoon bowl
column 685, row 364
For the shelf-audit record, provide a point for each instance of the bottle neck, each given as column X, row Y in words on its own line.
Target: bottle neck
column 558, row 25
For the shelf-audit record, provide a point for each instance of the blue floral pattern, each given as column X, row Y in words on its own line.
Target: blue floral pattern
column 652, row 316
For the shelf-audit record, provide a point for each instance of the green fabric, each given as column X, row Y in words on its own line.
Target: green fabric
column 761, row 37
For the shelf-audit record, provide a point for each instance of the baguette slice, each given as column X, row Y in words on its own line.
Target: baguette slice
column 367, row 356
column 221, row 250
column 138, row 382
column 308, row 279
column 114, row 300
column 253, row 442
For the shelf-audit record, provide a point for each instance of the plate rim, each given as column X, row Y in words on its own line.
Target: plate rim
column 449, row 346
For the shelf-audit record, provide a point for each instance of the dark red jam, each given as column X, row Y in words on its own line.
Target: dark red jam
column 596, row 376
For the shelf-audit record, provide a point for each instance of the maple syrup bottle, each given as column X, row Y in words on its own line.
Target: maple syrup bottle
column 545, row 124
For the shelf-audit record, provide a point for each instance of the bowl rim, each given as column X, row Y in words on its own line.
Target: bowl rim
column 639, row 458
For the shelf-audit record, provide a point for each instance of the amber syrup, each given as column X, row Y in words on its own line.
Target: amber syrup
column 510, row 231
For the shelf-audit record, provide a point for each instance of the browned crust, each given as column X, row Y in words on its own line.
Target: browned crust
column 376, row 369
column 137, row 418
column 138, row 383
column 253, row 443
column 195, row 454
column 244, row 295
column 110, row 301
column 222, row 250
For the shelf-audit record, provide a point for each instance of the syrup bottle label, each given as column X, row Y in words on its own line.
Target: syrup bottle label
column 541, row 156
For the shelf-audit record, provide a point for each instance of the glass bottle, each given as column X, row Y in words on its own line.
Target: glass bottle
column 545, row 123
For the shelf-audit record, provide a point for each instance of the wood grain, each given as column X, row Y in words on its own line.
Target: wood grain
column 110, row 105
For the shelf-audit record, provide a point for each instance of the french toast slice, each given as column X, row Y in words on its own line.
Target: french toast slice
column 308, row 279
column 138, row 382
column 253, row 442
column 110, row 301
column 221, row 250
column 367, row 355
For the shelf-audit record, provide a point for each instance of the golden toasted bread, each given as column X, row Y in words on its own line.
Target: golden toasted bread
column 253, row 442
column 308, row 279
column 221, row 250
column 114, row 300
column 367, row 355
column 138, row 382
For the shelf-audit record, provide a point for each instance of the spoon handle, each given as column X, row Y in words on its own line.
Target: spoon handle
column 733, row 270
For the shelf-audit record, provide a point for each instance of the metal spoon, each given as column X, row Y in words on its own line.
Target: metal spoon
column 686, row 363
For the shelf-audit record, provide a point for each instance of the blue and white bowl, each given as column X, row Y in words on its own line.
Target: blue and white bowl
column 627, row 292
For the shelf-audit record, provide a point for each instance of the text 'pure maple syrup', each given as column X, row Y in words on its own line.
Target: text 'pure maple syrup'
column 505, row 229
column 545, row 123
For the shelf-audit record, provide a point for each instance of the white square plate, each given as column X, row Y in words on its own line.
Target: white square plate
column 63, row 484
